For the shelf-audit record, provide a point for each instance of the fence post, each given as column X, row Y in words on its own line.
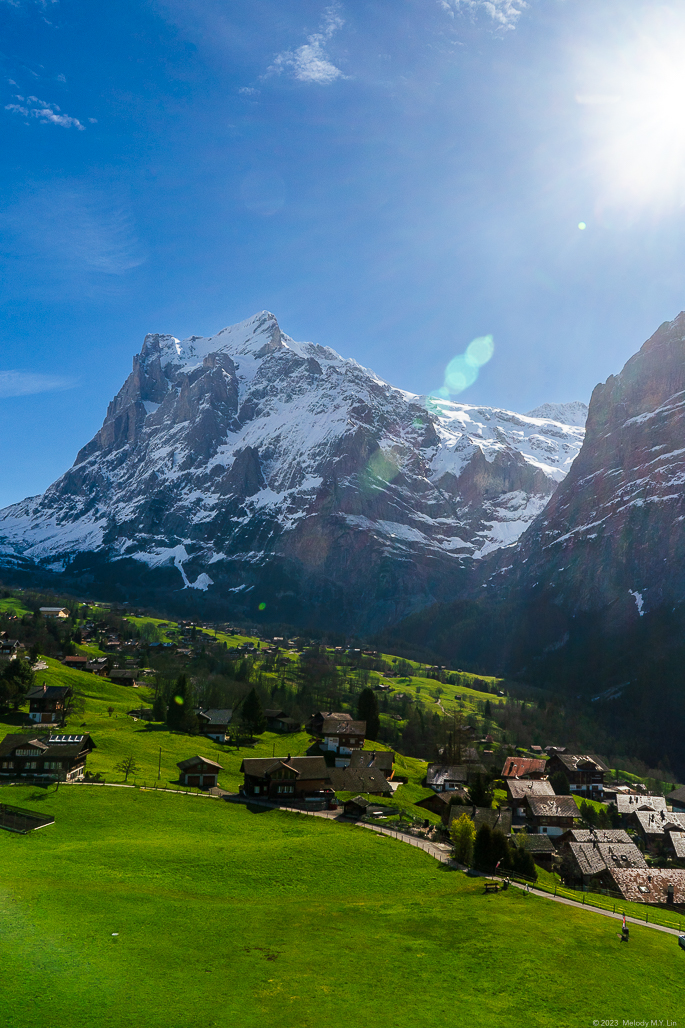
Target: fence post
column 583, row 899
column 646, row 918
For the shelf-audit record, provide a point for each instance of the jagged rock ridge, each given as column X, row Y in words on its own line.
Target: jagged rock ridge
column 260, row 470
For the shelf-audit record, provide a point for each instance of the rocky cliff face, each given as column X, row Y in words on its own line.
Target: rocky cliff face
column 611, row 540
column 256, row 470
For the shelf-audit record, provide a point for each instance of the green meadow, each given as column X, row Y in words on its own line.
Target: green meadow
column 226, row 916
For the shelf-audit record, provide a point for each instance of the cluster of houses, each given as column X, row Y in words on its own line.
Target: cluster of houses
column 609, row 859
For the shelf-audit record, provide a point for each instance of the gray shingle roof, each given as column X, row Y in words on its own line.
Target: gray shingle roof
column 439, row 774
column 578, row 761
column 336, row 726
column 306, row 767
column 613, row 835
column 677, row 796
column 380, row 759
column 678, row 843
column 351, row 779
column 484, row 815
column 215, row 715
column 518, row 789
column 656, row 824
column 649, row 885
column 552, row 806
column 628, row 804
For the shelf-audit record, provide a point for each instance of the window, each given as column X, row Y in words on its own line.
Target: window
column 52, row 765
column 30, row 765
column 8, row 763
column 285, row 788
column 27, row 753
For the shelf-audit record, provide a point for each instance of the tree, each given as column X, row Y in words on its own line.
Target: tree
column 588, row 813
column 189, row 722
column 367, row 710
column 159, row 708
column 16, row 680
column 252, row 714
column 487, row 713
column 559, row 783
column 482, row 848
column 127, row 766
column 522, row 861
column 480, row 791
column 499, row 850
column 178, row 701
column 463, row 834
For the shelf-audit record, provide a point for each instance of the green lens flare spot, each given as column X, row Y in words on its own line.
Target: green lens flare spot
column 262, row 606
column 179, row 700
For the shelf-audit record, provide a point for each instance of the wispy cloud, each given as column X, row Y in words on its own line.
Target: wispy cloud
column 26, row 383
column 46, row 113
column 505, row 13
column 311, row 62
column 73, row 227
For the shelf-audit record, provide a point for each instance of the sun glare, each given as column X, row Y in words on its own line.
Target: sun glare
column 635, row 115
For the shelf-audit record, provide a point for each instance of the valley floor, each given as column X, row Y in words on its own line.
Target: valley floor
column 229, row 915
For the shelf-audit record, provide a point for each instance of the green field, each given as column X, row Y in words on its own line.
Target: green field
column 272, row 920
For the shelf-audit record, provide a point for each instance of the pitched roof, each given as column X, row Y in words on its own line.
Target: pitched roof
column 678, row 843
column 518, row 789
column 48, row 692
column 657, row 823
column 52, row 746
column 649, row 885
column 336, row 726
column 380, row 759
column 552, row 806
column 612, row 835
column 438, row 774
column 517, row 767
column 593, row 859
column 627, row 804
column 581, row 761
column 535, row 843
column 445, row 797
column 185, row 765
column 365, row 804
column 352, row 779
column 274, row 712
column 306, row 767
column 215, row 715
column 677, row 796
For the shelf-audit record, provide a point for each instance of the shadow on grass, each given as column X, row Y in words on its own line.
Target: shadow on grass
column 257, row 808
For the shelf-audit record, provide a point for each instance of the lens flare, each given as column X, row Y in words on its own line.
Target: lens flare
column 462, row 371
column 262, row 606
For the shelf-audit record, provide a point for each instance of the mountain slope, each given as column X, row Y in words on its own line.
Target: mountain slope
column 252, row 469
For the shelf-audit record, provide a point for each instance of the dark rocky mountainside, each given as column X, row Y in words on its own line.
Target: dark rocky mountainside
column 247, row 469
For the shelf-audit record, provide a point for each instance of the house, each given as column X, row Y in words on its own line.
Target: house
column 360, row 807
column 518, row 789
column 653, row 826
column 446, row 777
column 628, row 804
column 55, row 612
column 550, row 815
column 585, row 773
column 199, row 771
column 124, row 676
column 47, row 703
column 677, row 799
column 316, row 721
column 342, row 737
column 381, row 760
column 10, row 647
column 370, row 780
column 540, row 847
column 524, row 767
column 214, row 721
column 78, row 663
column 650, row 885
column 280, row 778
column 588, row 856
column 279, row 721
column 61, row 757
column 483, row 815
column 439, row 802
column 98, row 666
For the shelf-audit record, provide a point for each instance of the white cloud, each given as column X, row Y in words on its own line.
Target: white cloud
column 248, row 91
column 46, row 113
column 310, row 62
column 504, row 12
column 27, row 383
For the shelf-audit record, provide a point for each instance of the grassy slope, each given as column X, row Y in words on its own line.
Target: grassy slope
column 267, row 920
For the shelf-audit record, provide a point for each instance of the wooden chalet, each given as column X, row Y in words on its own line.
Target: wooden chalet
column 60, row 613
column 518, row 789
column 380, row 760
column 524, row 767
column 60, row 757
column 677, row 799
column 361, row 807
column 630, row 803
column 654, row 827
column 585, row 773
column 199, row 771
column 214, row 721
column 280, row 778
column 446, row 777
column 124, row 676
column 9, row 648
column 342, row 738
column 77, row 663
column 316, row 721
column 47, row 703
column 359, row 779
column 589, row 855
column 279, row 721
column 550, row 815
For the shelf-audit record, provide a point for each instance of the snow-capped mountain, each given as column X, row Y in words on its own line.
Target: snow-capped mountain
column 258, row 470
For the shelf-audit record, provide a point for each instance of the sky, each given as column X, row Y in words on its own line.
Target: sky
column 395, row 178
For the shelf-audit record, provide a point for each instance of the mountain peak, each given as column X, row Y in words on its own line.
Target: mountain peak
column 572, row 413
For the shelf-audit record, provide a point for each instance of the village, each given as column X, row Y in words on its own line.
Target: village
column 572, row 816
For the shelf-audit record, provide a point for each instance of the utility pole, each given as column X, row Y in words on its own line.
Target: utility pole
column 159, row 769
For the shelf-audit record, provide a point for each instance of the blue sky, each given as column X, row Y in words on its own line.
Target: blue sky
column 391, row 178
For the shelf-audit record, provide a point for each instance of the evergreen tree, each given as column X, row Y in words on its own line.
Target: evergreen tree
column 252, row 714
column 159, row 708
column 189, row 722
column 367, row 710
column 588, row 813
column 522, row 862
column 488, row 711
column 482, row 848
column 463, row 834
column 614, row 816
column 16, row 680
column 178, row 701
column 480, row 791
column 499, row 850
